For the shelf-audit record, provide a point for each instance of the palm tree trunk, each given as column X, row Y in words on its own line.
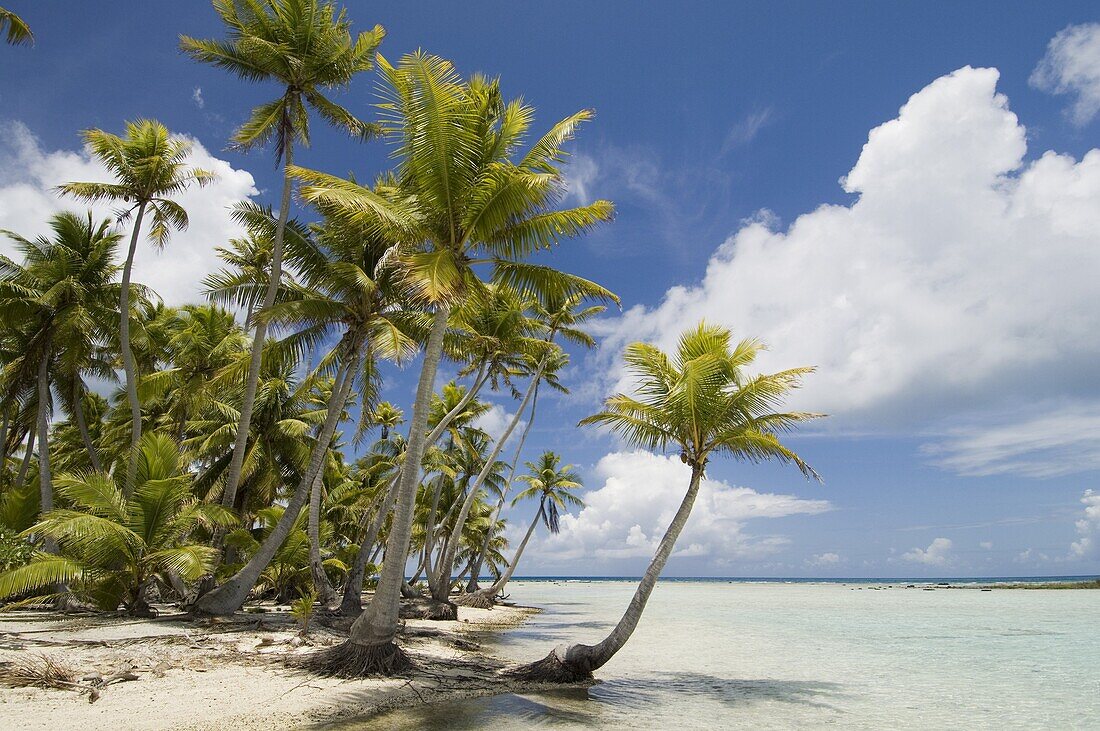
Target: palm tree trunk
column 352, row 603
column 45, row 481
column 446, row 562
column 233, row 479
column 82, row 425
column 483, row 598
column 326, row 595
column 371, row 647
column 230, row 596
column 128, row 363
column 21, row 478
column 576, row 662
column 479, row 559
column 4, row 444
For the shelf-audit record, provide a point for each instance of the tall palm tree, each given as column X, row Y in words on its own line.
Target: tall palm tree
column 306, row 48
column 14, row 27
column 343, row 294
column 701, row 402
column 58, row 304
column 552, row 485
column 387, row 416
column 463, row 201
column 150, row 169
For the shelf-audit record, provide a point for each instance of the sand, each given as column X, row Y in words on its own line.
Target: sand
column 229, row 674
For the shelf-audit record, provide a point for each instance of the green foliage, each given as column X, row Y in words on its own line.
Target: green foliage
column 15, row 551
column 110, row 548
column 303, row 609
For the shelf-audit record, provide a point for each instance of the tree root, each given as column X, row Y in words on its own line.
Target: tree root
column 550, row 669
column 477, row 600
column 352, row 660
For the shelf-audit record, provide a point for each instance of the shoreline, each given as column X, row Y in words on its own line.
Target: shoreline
column 207, row 675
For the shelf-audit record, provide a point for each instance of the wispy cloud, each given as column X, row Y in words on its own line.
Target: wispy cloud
column 196, row 96
column 1063, row 441
column 746, row 129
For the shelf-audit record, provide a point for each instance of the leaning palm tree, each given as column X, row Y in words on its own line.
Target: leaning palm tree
column 700, row 402
column 150, row 169
column 14, row 27
column 553, row 485
column 306, row 48
column 114, row 548
column 463, row 200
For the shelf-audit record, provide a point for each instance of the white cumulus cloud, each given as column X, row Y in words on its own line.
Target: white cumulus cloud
column 937, row 553
column 1087, row 527
column 824, row 559
column 28, row 175
column 625, row 517
column 961, row 277
column 1072, row 66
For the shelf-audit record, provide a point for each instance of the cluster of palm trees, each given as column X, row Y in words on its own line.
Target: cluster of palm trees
column 201, row 453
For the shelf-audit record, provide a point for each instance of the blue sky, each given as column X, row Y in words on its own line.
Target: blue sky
column 945, row 290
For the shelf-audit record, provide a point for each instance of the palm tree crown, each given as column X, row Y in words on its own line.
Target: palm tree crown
column 553, row 486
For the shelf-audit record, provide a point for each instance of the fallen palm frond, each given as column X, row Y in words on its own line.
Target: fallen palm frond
column 42, row 671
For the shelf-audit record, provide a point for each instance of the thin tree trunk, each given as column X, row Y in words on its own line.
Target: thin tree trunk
column 499, row 584
column 446, row 563
column 353, row 589
column 4, row 444
column 82, row 425
column 274, row 279
column 325, row 593
column 21, row 478
column 128, row 363
column 479, row 559
column 230, row 596
column 576, row 662
column 45, row 481
column 376, row 627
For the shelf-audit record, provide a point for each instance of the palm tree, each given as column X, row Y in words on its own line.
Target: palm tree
column 150, row 168
column 463, row 201
column 17, row 31
column 387, row 416
column 58, row 305
column 560, row 315
column 701, row 402
column 305, row 47
column 114, row 547
column 553, row 486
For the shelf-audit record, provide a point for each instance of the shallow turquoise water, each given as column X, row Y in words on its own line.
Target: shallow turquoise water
column 781, row 656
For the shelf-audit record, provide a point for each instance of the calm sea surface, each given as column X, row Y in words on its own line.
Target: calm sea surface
column 801, row 655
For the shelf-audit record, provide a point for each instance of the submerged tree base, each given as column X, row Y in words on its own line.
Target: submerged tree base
column 352, row 660
column 550, row 669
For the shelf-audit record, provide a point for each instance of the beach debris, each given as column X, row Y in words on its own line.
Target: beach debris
column 42, row 671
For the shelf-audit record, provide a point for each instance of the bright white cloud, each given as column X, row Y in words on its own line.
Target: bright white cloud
column 824, row 559
column 626, row 516
column 961, row 277
column 1088, row 527
column 937, row 553
column 496, row 420
column 28, row 175
column 1072, row 66
column 1062, row 442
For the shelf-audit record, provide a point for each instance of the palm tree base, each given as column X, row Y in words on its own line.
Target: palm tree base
column 352, row 660
column 478, row 600
column 550, row 669
column 431, row 609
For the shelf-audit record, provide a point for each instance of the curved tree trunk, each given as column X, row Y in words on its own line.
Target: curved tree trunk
column 128, row 363
column 233, row 479
column 82, row 425
column 371, row 647
column 446, row 561
column 483, row 598
column 229, row 597
column 576, row 662
column 479, row 559
column 352, row 602
column 45, row 480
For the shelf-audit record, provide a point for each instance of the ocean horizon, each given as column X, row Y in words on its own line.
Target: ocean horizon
column 1066, row 578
